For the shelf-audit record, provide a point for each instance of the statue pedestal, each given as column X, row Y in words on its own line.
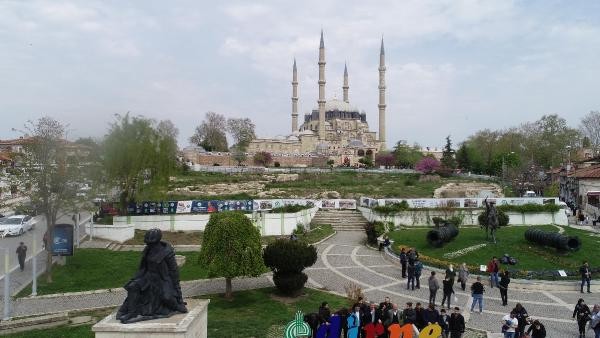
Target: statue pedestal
column 184, row 325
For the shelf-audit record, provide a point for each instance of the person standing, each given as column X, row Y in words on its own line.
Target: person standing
column 392, row 317
column 419, row 317
column 503, row 286
column 411, row 277
column 463, row 275
column 21, row 254
column 521, row 315
column 492, row 269
column 456, row 324
column 586, row 276
column 451, row 273
column 443, row 322
column 431, row 315
column 409, row 314
column 477, row 291
column 448, row 290
column 595, row 323
column 434, row 286
column 403, row 261
column 537, row 330
column 582, row 313
column 324, row 313
column 418, row 270
column 509, row 325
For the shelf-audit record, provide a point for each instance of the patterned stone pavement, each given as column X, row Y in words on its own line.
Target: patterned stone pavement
column 344, row 259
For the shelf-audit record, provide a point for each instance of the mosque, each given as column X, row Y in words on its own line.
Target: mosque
column 334, row 129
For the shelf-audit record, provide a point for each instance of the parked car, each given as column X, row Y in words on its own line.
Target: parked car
column 16, row 225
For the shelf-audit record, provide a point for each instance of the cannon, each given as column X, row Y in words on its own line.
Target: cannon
column 553, row 239
column 442, row 234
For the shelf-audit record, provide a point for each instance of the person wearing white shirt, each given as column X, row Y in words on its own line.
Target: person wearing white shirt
column 509, row 325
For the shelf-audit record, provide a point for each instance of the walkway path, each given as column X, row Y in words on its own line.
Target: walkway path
column 344, row 259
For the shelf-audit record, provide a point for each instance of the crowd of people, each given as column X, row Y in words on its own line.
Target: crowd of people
column 386, row 314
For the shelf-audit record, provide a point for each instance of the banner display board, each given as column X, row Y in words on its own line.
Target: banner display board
column 456, row 202
column 62, row 240
column 184, row 207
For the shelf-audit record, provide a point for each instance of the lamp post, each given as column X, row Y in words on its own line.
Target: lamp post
column 568, row 148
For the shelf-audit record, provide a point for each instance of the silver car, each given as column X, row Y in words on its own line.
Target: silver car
column 16, row 225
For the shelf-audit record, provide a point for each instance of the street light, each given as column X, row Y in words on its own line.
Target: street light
column 504, row 165
column 569, row 158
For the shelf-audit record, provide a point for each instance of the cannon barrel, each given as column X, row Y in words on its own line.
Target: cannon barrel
column 553, row 239
column 441, row 235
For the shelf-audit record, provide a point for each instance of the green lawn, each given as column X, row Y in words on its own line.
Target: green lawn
column 91, row 269
column 252, row 313
column 511, row 240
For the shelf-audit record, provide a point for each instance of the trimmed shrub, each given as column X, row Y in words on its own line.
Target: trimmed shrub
column 290, row 208
column 374, row 230
column 530, row 208
column 391, row 208
column 287, row 259
column 502, row 218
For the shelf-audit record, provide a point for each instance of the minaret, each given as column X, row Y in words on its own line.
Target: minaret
column 295, row 98
column 345, row 87
column 382, row 104
column 321, row 100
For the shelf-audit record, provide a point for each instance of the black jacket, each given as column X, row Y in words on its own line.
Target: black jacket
column 582, row 312
column 537, row 333
column 477, row 288
column 447, row 287
column 456, row 323
column 504, row 281
column 585, row 269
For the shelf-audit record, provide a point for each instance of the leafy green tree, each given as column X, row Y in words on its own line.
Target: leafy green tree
column 448, row 155
column 231, row 248
column 137, row 156
column 407, row 156
column 210, row 134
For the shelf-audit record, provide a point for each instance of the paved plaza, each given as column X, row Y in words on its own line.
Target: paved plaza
column 344, row 258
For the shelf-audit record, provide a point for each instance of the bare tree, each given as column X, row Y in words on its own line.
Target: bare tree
column 52, row 171
column 242, row 131
column 590, row 127
column 210, row 134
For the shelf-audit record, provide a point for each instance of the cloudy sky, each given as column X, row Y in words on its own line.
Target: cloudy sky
column 454, row 66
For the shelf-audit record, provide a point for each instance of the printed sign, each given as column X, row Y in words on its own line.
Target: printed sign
column 62, row 240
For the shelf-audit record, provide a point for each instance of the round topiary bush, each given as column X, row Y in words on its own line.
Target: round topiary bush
column 287, row 258
column 502, row 218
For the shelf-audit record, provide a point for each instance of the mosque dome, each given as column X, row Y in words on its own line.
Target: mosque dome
column 322, row 147
column 337, row 105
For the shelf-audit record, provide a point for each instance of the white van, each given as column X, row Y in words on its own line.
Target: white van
column 529, row 193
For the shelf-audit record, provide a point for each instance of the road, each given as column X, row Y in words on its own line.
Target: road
column 11, row 243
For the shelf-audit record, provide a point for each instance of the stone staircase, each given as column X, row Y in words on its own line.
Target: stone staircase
column 340, row 220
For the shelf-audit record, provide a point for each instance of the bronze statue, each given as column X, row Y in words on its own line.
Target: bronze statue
column 154, row 291
column 491, row 222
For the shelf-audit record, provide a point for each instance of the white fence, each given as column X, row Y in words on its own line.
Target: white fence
column 424, row 217
column 276, row 224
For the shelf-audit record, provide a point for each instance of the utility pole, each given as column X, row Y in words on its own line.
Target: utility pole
column 6, row 285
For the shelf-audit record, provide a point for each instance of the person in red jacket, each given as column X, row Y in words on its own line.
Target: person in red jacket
column 492, row 269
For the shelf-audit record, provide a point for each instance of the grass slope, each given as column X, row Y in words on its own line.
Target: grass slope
column 511, row 240
column 91, row 269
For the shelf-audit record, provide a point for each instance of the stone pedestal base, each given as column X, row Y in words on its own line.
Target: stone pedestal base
column 187, row 325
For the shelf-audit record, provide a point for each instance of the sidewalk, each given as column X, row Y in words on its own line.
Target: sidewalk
column 20, row 279
column 89, row 300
